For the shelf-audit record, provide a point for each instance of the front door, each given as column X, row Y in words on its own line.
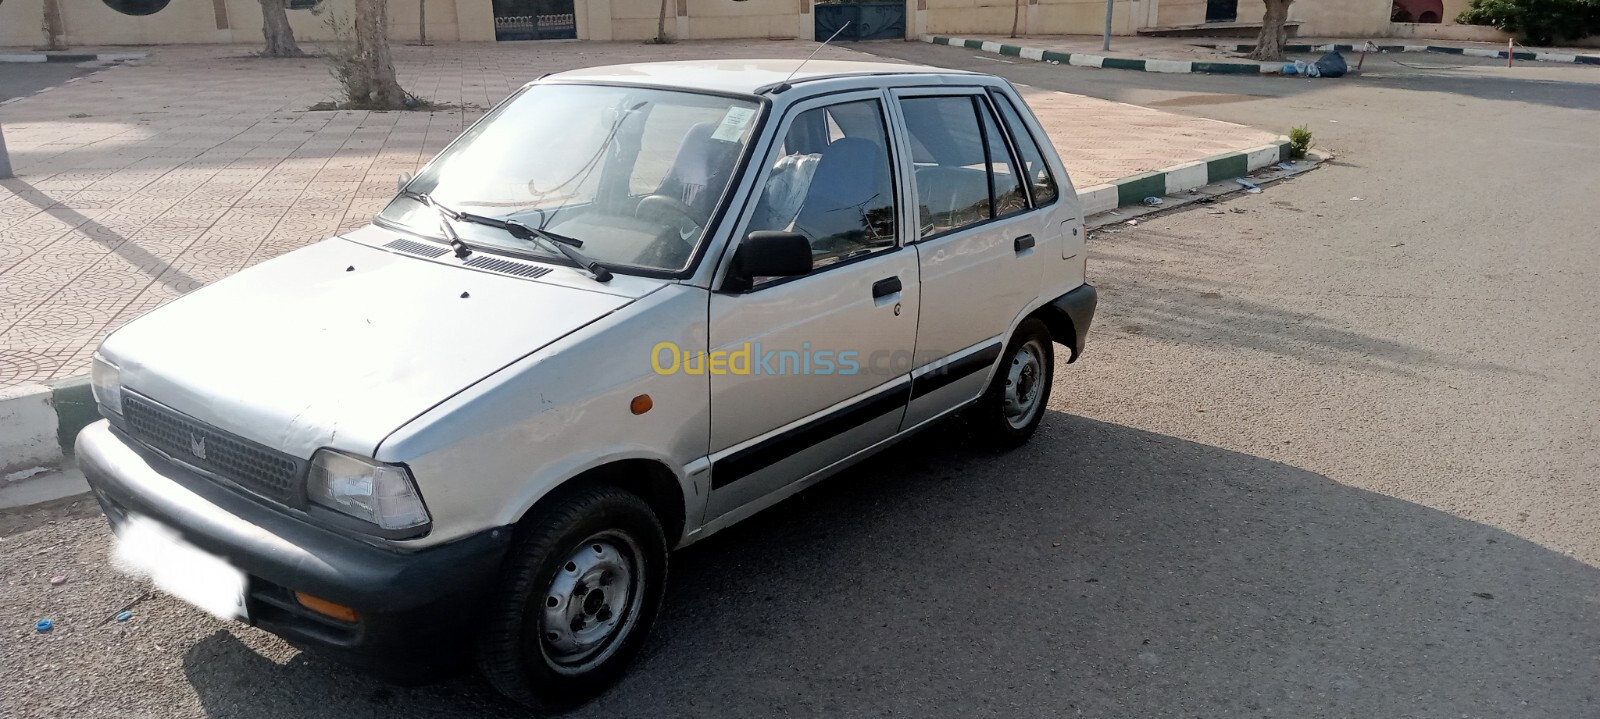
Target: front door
column 807, row 371
column 977, row 244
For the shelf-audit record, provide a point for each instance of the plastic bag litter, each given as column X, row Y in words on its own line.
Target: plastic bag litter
column 1331, row 64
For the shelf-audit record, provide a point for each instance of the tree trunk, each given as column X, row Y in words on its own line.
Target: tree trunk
column 661, row 24
column 1016, row 14
column 374, row 85
column 1269, row 42
column 275, row 29
column 52, row 27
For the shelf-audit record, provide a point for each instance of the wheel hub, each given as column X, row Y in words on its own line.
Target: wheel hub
column 588, row 599
column 1023, row 384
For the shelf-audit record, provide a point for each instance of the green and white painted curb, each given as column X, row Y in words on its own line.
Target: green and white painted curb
column 1180, row 178
column 70, row 56
column 1443, row 49
column 39, row 423
column 1118, row 63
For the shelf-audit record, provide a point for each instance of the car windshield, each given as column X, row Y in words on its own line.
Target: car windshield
column 634, row 174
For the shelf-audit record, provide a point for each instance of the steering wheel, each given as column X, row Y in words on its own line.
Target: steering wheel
column 672, row 211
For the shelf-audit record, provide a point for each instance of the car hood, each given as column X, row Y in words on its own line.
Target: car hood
column 340, row 343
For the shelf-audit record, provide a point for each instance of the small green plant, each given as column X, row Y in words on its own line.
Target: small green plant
column 1299, row 142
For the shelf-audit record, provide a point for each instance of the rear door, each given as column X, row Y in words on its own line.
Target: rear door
column 977, row 239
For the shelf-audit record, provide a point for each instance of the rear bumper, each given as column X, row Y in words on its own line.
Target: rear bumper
column 416, row 608
column 1069, row 317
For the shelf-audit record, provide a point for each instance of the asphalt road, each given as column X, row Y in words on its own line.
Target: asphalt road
column 20, row 79
column 1325, row 457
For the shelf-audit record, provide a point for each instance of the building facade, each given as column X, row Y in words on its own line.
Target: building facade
column 163, row 22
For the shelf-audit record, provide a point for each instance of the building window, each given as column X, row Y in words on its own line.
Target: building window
column 137, row 7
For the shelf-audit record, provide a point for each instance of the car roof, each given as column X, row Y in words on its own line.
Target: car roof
column 743, row 76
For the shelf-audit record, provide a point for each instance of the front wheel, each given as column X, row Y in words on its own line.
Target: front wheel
column 576, row 598
column 1013, row 406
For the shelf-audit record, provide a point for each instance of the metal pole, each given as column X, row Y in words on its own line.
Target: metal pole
column 1106, row 45
column 5, row 159
column 422, row 22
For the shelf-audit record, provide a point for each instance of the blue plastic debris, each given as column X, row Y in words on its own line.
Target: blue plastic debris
column 44, row 625
column 124, row 615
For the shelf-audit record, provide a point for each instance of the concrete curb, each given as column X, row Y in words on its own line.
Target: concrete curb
column 1178, row 178
column 69, row 56
column 39, row 423
column 1116, row 63
column 1443, row 49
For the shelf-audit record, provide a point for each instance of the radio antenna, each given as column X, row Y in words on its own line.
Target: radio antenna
column 780, row 87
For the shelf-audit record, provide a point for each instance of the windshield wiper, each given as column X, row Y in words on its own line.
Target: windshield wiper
column 566, row 246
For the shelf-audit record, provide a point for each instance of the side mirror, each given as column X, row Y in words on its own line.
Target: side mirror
column 769, row 253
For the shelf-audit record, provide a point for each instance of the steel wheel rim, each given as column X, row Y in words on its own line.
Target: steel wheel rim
column 591, row 603
column 1024, row 385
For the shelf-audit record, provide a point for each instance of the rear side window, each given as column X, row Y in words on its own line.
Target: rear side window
column 964, row 172
column 1040, row 182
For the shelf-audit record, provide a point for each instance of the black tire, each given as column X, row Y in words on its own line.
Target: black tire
column 516, row 653
column 994, row 419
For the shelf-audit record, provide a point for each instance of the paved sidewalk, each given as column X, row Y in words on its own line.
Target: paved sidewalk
column 144, row 181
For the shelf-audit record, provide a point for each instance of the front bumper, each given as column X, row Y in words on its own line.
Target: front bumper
column 417, row 609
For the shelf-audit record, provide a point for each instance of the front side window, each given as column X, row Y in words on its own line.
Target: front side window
column 831, row 180
column 635, row 174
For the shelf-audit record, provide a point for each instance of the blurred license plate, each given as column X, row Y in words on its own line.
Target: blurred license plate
column 150, row 549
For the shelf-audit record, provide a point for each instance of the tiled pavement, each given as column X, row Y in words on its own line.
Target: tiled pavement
column 145, row 181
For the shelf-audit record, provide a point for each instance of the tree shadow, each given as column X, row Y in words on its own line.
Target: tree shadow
column 1101, row 571
column 1185, row 306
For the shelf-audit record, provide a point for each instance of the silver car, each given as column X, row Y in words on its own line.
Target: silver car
column 630, row 307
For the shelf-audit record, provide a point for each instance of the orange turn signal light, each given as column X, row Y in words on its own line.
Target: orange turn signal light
column 641, row 404
column 327, row 608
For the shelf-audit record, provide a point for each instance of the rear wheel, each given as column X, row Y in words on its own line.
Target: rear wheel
column 1013, row 406
column 576, row 599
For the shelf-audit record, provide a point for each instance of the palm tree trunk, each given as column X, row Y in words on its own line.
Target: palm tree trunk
column 52, row 27
column 374, row 66
column 276, row 31
column 1270, row 41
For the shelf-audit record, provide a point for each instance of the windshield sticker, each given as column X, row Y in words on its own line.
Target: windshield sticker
column 733, row 124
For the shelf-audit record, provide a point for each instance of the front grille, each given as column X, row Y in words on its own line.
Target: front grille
column 249, row 465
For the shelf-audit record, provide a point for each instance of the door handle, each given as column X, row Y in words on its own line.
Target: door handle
column 887, row 286
column 1024, row 242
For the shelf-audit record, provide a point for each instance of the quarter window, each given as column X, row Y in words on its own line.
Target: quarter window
column 831, row 181
column 1041, row 183
column 964, row 171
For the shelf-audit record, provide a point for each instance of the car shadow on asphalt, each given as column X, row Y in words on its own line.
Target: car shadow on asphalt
column 1099, row 571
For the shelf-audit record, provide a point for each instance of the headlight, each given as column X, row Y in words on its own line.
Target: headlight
column 372, row 491
column 106, row 382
